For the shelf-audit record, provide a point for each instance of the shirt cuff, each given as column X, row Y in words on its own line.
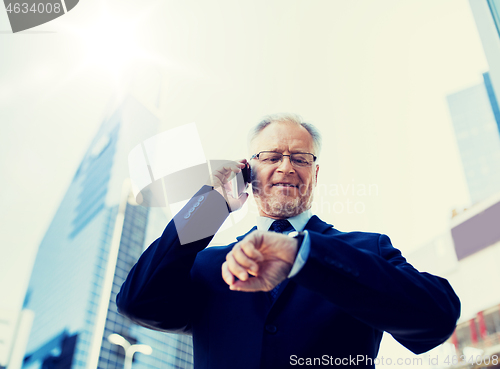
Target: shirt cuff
column 302, row 255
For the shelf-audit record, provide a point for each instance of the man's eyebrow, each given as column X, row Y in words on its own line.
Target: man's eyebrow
column 299, row 151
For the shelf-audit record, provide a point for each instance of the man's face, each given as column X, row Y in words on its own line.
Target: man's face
column 282, row 190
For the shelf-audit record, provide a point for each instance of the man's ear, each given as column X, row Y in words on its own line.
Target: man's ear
column 316, row 175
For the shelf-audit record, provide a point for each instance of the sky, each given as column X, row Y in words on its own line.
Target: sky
column 371, row 75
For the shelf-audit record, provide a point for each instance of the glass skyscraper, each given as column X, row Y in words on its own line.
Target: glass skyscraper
column 96, row 236
column 495, row 12
column 487, row 16
column 476, row 119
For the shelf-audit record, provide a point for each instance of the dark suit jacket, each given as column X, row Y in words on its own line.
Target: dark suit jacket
column 353, row 287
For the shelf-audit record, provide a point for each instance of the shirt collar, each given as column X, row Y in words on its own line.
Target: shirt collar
column 298, row 222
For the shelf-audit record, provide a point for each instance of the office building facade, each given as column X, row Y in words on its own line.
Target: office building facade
column 487, row 16
column 476, row 120
column 96, row 236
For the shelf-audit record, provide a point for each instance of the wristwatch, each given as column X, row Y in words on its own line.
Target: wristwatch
column 299, row 236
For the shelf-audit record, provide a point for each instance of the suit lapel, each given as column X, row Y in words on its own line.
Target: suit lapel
column 317, row 225
column 239, row 238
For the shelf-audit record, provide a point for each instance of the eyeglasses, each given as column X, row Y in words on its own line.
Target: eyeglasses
column 298, row 159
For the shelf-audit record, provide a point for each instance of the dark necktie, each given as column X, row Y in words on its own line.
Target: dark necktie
column 280, row 226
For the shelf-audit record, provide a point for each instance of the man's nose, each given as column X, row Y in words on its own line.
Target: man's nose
column 286, row 165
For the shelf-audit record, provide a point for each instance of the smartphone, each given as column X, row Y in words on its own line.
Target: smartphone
column 246, row 174
column 240, row 181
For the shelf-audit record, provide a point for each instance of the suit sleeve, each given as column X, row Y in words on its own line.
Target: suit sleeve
column 158, row 292
column 381, row 289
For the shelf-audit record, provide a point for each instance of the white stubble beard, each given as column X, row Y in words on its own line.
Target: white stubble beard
column 276, row 207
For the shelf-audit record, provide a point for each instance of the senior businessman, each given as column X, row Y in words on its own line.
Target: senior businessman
column 293, row 290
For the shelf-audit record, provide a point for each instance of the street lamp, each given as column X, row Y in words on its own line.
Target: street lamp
column 130, row 350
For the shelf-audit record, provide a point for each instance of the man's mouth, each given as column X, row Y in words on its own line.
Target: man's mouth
column 285, row 185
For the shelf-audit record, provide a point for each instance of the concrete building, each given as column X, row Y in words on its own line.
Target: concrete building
column 468, row 256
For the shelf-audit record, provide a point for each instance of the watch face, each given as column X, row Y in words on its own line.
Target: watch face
column 293, row 234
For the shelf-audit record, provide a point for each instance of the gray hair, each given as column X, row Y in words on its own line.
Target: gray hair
column 287, row 117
